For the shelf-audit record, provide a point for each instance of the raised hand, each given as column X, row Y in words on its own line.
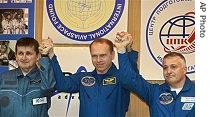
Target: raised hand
column 123, row 42
column 47, row 47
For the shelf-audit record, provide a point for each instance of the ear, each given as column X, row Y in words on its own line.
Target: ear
column 185, row 69
column 39, row 56
column 113, row 54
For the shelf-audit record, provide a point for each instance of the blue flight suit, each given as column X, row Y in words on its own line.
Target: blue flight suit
column 161, row 100
column 100, row 95
column 27, row 96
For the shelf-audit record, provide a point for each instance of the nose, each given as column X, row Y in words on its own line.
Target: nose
column 23, row 56
column 169, row 70
column 98, row 59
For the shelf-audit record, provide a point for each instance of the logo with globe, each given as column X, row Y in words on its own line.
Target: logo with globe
column 84, row 20
column 170, row 30
column 178, row 34
column 83, row 11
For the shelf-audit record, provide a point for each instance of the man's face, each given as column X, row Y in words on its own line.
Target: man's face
column 174, row 70
column 26, row 57
column 101, row 57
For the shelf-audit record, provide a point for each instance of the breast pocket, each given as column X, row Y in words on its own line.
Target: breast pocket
column 36, row 102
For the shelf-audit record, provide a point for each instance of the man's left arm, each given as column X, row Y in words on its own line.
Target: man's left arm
column 133, row 59
column 47, row 73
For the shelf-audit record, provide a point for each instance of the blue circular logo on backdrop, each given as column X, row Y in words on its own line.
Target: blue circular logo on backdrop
column 170, row 30
column 82, row 20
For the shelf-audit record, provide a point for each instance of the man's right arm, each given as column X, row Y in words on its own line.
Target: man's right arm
column 132, row 80
column 123, row 43
column 63, row 83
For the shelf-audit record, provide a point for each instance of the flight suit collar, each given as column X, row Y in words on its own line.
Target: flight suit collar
column 32, row 75
column 112, row 70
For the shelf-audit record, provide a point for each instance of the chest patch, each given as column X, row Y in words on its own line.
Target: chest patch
column 108, row 81
column 35, row 81
column 166, row 98
column 88, row 81
column 187, row 99
column 10, row 82
column 187, row 106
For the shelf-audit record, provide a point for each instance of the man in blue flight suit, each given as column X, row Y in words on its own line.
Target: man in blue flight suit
column 101, row 92
column 26, row 91
column 174, row 98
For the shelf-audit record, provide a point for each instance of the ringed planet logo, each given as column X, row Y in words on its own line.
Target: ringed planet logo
column 171, row 28
column 84, row 20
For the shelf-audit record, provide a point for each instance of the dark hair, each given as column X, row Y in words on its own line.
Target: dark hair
column 103, row 40
column 28, row 41
column 173, row 54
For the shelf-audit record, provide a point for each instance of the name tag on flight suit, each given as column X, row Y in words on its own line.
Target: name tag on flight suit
column 38, row 101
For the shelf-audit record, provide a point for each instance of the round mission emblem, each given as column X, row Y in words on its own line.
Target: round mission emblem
column 84, row 20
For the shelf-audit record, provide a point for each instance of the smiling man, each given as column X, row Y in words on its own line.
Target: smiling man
column 174, row 98
column 26, row 91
